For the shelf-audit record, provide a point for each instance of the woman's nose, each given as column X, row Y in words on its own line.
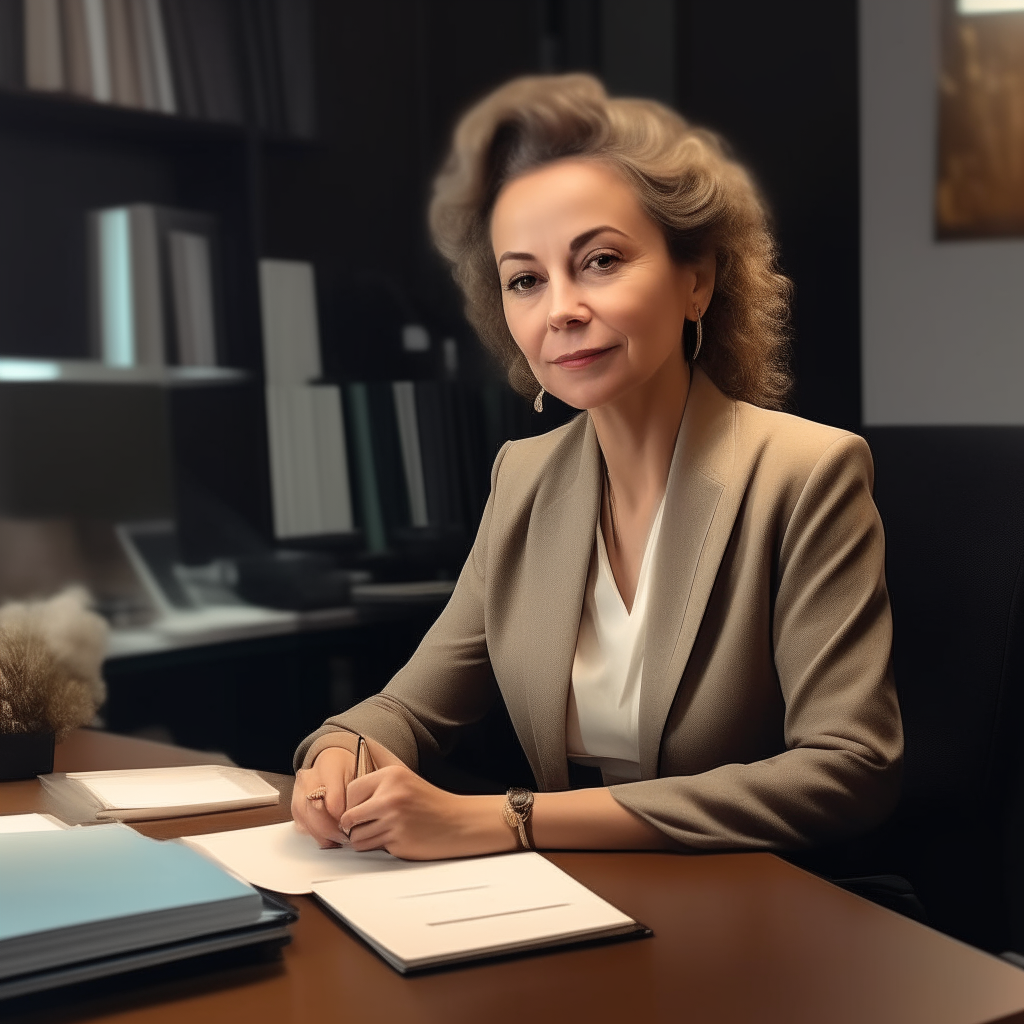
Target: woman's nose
column 567, row 309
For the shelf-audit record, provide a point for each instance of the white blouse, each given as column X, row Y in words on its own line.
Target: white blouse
column 603, row 715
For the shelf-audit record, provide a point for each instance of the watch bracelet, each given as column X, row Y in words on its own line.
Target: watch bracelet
column 517, row 819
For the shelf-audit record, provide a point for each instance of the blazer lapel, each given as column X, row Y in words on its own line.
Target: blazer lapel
column 696, row 525
column 561, row 543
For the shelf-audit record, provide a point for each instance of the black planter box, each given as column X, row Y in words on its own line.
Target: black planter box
column 24, row 755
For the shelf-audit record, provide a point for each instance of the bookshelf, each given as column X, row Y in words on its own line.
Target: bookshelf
column 240, row 81
column 348, row 198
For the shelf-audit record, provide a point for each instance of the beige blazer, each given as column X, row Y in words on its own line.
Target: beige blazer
column 768, row 716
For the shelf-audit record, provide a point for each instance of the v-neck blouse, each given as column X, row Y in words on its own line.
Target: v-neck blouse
column 603, row 713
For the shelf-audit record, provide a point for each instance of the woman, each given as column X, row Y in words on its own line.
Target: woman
column 682, row 586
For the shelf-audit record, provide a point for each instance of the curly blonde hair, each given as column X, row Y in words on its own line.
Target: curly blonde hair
column 683, row 178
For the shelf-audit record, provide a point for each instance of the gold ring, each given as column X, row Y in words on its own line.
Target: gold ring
column 318, row 794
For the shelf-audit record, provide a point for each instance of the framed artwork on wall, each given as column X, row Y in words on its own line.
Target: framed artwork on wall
column 980, row 181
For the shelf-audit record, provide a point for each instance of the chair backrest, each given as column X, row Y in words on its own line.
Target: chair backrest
column 952, row 502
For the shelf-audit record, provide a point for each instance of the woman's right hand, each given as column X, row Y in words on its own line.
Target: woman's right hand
column 334, row 768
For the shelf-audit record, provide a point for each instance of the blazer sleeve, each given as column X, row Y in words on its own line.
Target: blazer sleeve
column 446, row 684
column 832, row 639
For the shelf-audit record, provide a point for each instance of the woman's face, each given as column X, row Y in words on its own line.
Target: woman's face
column 591, row 295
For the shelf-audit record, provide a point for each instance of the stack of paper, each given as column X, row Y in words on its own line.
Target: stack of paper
column 140, row 793
column 85, row 895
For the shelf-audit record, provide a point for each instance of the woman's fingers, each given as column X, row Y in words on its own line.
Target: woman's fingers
column 324, row 825
column 299, row 791
column 372, row 835
column 361, row 799
column 327, row 782
column 391, row 808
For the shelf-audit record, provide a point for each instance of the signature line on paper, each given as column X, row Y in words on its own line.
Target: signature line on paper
column 500, row 913
column 441, row 892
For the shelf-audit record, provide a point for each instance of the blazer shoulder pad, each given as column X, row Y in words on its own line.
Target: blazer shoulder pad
column 531, row 460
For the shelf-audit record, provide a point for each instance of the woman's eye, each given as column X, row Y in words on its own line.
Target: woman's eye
column 604, row 261
column 523, row 283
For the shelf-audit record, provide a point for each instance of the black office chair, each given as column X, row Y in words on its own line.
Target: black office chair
column 952, row 501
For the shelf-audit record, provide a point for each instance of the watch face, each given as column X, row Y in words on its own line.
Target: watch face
column 521, row 800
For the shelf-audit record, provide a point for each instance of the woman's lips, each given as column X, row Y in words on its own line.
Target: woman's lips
column 581, row 357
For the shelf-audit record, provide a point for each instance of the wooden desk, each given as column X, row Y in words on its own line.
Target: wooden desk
column 743, row 938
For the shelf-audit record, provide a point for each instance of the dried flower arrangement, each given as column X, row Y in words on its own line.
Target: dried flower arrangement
column 51, row 654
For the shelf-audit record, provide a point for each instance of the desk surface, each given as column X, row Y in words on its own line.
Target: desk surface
column 738, row 938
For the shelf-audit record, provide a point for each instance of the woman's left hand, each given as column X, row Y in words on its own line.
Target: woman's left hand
column 394, row 809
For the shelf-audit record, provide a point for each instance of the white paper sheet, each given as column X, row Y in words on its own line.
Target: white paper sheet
column 282, row 859
column 454, row 910
column 192, row 786
column 30, row 823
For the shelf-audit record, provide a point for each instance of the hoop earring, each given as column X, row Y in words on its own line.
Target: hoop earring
column 700, row 336
column 538, row 402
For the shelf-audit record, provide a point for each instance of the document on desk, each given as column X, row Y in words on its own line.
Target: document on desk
column 419, row 915
column 143, row 793
column 283, row 859
column 449, row 912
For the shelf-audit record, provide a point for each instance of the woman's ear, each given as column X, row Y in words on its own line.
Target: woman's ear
column 704, row 286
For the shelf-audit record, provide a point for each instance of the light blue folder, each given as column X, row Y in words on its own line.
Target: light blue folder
column 91, row 892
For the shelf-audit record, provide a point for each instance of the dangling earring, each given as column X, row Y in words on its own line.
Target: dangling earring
column 538, row 402
column 700, row 336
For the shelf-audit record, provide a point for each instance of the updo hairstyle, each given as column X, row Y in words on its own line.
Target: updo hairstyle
column 683, row 178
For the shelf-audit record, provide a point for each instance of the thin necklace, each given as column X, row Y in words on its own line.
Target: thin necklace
column 611, row 502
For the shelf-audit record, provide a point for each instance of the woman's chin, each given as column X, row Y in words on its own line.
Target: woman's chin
column 587, row 399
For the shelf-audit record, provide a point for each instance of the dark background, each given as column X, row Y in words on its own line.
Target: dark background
column 779, row 81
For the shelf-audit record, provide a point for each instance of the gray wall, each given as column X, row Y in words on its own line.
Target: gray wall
column 942, row 323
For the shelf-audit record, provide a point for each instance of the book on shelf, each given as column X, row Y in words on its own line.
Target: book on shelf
column 204, row 58
column 414, row 467
column 386, row 444
column 89, row 902
column 308, row 461
column 125, row 86
column 43, row 45
column 421, row 453
column 193, row 305
column 231, row 61
column 357, row 408
column 98, row 47
column 152, row 59
column 309, row 475
column 291, row 331
column 404, row 394
column 154, row 284
column 211, row 35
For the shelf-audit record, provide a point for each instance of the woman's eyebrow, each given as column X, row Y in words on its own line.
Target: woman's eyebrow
column 581, row 240
column 514, row 256
column 574, row 246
